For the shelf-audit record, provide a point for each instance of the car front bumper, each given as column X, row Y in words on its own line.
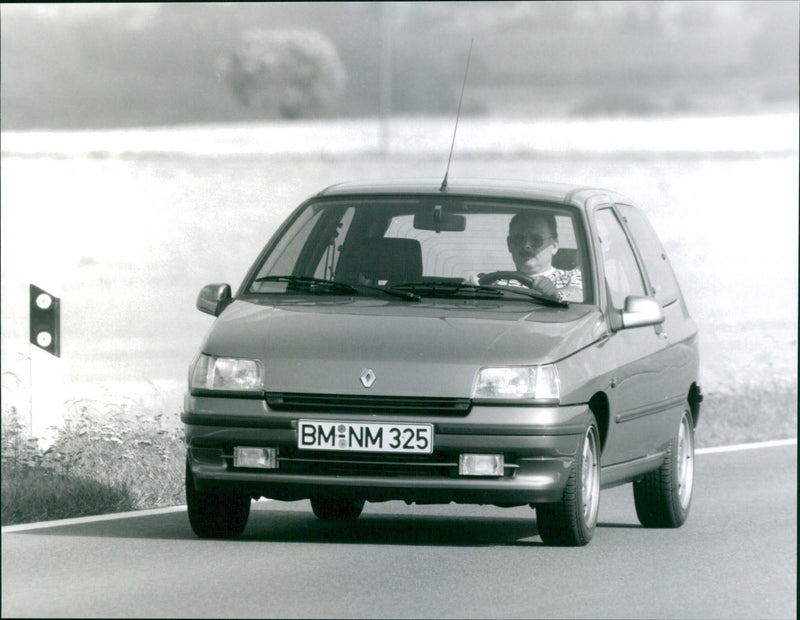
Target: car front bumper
column 539, row 445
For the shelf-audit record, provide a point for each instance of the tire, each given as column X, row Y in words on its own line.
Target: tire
column 337, row 509
column 571, row 522
column 663, row 497
column 217, row 514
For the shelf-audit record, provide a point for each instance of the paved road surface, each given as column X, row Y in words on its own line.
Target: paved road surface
column 736, row 557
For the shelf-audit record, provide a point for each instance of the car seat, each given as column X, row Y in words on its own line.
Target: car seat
column 380, row 261
column 565, row 259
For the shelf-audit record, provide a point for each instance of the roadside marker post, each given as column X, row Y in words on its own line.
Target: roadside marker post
column 44, row 354
column 45, row 320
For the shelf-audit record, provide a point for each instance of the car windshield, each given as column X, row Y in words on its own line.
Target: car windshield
column 429, row 247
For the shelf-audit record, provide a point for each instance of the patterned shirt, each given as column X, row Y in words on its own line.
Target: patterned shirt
column 561, row 278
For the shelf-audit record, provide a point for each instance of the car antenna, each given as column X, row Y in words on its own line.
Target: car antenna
column 458, row 115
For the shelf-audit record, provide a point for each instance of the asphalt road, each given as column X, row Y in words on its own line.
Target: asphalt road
column 736, row 557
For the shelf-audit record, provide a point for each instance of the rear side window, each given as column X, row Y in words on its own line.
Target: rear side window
column 662, row 278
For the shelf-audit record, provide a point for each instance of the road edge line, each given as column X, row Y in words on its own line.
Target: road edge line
column 21, row 527
column 777, row 443
column 91, row 519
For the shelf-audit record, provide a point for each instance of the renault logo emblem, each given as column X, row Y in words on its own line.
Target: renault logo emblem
column 367, row 377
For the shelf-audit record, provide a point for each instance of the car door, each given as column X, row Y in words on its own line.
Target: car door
column 678, row 329
column 638, row 389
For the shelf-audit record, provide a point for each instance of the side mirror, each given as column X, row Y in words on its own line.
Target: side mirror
column 640, row 312
column 214, row 298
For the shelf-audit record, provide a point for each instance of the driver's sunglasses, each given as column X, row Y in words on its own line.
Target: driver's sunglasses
column 535, row 241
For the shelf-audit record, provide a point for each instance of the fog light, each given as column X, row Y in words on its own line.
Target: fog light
column 481, row 464
column 262, row 458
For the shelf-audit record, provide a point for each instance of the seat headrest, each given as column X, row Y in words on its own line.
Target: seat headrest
column 381, row 261
column 566, row 259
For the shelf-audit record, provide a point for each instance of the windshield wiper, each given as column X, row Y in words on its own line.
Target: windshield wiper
column 447, row 288
column 543, row 299
column 407, row 295
column 319, row 285
column 314, row 285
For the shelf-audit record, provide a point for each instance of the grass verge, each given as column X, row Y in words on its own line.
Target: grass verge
column 33, row 495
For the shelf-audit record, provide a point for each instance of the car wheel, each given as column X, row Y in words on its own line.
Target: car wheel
column 663, row 496
column 336, row 508
column 216, row 514
column 571, row 521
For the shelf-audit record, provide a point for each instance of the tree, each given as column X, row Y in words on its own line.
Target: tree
column 286, row 73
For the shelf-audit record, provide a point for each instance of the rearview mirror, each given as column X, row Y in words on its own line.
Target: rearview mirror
column 437, row 219
column 214, row 298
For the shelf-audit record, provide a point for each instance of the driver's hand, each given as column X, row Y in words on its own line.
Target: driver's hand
column 545, row 286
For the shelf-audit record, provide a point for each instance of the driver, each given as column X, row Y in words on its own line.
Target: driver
column 533, row 241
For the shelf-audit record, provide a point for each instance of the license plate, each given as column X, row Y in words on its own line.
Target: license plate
column 365, row 437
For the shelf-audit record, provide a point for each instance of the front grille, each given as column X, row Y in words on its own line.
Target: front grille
column 337, row 403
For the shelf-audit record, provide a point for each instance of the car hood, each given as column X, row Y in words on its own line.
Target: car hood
column 421, row 349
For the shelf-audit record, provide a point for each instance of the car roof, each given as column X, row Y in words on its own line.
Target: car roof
column 579, row 195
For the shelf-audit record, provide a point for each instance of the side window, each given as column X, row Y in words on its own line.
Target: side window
column 655, row 258
column 623, row 277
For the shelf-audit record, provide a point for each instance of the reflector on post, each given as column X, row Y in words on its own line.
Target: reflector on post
column 45, row 320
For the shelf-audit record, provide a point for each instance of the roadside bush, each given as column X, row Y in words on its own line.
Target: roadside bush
column 753, row 413
column 105, row 442
column 19, row 451
column 104, row 459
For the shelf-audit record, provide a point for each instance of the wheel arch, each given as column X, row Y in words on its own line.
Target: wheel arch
column 599, row 406
column 695, row 397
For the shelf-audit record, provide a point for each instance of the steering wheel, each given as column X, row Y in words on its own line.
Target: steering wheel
column 490, row 278
column 540, row 285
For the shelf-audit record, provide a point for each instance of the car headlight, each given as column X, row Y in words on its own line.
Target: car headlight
column 227, row 374
column 539, row 383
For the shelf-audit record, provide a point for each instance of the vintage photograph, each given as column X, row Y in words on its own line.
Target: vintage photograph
column 374, row 309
